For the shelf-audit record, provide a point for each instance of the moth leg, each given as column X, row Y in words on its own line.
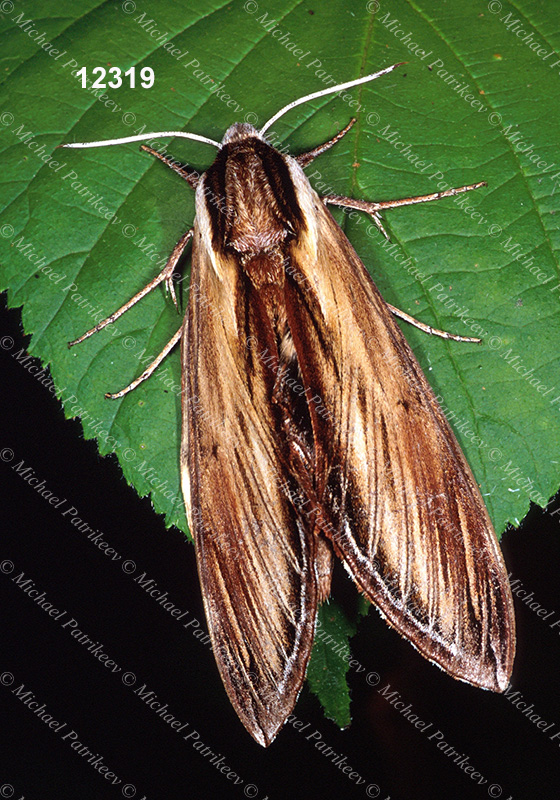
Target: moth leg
column 428, row 328
column 149, row 370
column 304, row 159
column 359, row 205
column 165, row 275
column 373, row 209
column 192, row 177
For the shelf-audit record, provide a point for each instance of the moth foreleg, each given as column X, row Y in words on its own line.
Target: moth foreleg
column 165, row 275
column 304, row 159
column 191, row 177
column 149, row 370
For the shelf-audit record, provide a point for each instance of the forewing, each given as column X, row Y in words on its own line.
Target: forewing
column 403, row 509
column 255, row 561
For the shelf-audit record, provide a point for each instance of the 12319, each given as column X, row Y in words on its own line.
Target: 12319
column 118, row 77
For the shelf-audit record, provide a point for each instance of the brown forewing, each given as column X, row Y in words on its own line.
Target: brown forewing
column 256, row 560
column 404, row 511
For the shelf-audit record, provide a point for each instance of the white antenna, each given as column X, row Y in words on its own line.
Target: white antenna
column 181, row 134
column 142, row 138
column 331, row 90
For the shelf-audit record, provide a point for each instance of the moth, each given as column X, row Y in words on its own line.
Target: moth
column 309, row 431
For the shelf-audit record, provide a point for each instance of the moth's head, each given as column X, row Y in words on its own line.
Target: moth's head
column 240, row 131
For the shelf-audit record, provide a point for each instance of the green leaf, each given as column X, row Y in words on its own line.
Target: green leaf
column 477, row 100
column 327, row 670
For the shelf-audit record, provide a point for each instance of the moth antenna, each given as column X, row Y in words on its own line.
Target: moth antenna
column 142, row 138
column 330, row 90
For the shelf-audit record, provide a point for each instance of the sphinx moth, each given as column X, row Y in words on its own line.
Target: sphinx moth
column 309, row 432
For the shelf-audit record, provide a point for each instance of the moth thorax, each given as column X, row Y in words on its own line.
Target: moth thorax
column 257, row 221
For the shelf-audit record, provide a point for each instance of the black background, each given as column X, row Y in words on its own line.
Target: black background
column 512, row 754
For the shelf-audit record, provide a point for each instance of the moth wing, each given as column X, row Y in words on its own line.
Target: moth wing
column 256, row 562
column 404, row 511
